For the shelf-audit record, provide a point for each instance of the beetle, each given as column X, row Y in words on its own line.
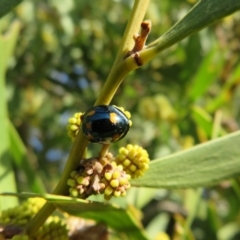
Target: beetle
column 104, row 124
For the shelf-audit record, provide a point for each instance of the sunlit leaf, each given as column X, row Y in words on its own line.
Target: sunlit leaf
column 7, row 43
column 115, row 217
column 200, row 16
column 225, row 94
column 203, row 120
column 204, row 165
column 19, row 154
column 7, row 5
column 207, row 73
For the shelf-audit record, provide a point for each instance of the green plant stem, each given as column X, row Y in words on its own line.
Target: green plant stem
column 200, row 16
column 104, row 150
column 62, row 188
column 120, row 69
column 133, row 27
column 117, row 74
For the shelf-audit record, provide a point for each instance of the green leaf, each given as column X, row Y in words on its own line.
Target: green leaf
column 200, row 16
column 19, row 154
column 206, row 74
column 115, row 217
column 203, row 165
column 6, row 169
column 7, row 43
column 225, row 94
column 228, row 231
column 7, row 5
column 192, row 204
column 202, row 119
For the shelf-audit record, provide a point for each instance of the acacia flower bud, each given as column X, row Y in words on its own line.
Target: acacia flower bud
column 127, row 113
column 85, row 181
column 115, row 180
column 134, row 159
column 20, row 215
column 73, row 125
column 55, row 228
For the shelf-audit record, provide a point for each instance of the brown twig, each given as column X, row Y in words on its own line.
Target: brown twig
column 140, row 40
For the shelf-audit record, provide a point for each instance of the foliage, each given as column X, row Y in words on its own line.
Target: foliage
column 186, row 96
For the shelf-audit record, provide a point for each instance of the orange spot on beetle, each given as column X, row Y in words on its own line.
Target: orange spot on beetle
column 89, row 126
column 113, row 117
column 89, row 136
column 91, row 113
column 116, row 137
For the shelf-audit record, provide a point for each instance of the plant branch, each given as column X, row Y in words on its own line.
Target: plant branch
column 133, row 26
column 62, row 188
column 200, row 16
column 118, row 72
column 119, row 69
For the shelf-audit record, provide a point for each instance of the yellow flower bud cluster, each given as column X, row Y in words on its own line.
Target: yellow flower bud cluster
column 99, row 176
column 134, row 159
column 85, row 181
column 74, row 125
column 54, row 229
column 20, row 215
column 115, row 181
column 13, row 221
column 127, row 113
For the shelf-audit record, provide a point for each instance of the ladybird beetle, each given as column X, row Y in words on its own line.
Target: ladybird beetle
column 104, row 124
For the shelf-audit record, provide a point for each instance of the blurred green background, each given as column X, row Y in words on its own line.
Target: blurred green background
column 187, row 95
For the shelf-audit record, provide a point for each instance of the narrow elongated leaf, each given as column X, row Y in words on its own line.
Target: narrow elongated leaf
column 206, row 74
column 117, row 218
column 200, row 16
column 7, row 43
column 223, row 97
column 19, row 154
column 113, row 216
column 202, row 119
column 203, row 165
column 7, row 5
